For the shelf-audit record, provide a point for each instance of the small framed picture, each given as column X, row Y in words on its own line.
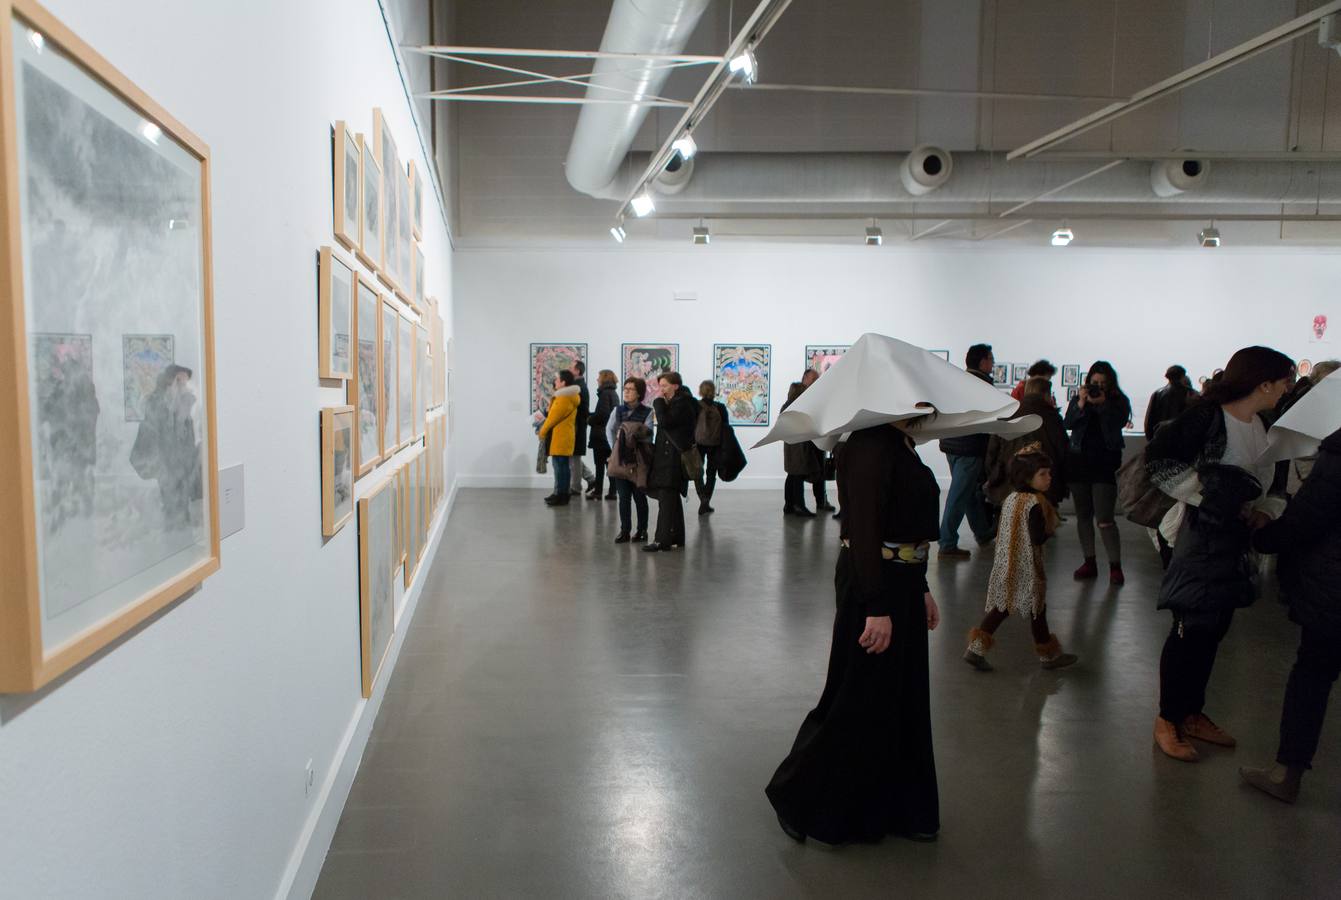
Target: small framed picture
column 364, row 389
column 377, row 512
column 1020, row 372
column 1070, row 376
column 346, row 186
column 416, row 202
column 1001, row 373
column 1072, row 392
column 337, row 468
column 370, row 235
column 335, row 296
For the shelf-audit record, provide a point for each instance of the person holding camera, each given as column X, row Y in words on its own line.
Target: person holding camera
column 1095, row 418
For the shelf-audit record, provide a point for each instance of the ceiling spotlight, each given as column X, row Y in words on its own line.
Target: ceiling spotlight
column 1209, row 237
column 642, row 204
column 151, row 132
column 1063, row 236
column 685, row 146
column 701, row 235
column 618, row 233
column 874, row 236
column 746, row 66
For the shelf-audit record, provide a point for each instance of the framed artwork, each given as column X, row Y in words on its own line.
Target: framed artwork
column 363, row 390
column 547, row 360
column 337, row 467
column 943, row 354
column 392, row 192
column 1019, row 372
column 417, row 277
column 346, row 183
column 416, row 201
column 420, row 399
column 105, row 199
column 1072, row 392
column 390, row 370
column 144, row 357
column 335, row 315
column 412, row 515
column 370, row 232
column 376, row 594
column 404, row 236
column 1001, row 373
column 405, row 421
column 648, row 361
column 820, row 356
column 741, row 374
column 1070, row 375
column 398, row 526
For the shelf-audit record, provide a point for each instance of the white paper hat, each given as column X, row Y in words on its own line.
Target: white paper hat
column 1307, row 423
column 882, row 380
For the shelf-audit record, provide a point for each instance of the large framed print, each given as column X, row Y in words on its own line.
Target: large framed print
column 741, row 373
column 392, row 191
column 377, row 512
column 412, row 514
column 370, row 228
column 547, row 360
column 390, row 344
column 404, row 236
column 417, row 278
column 820, row 356
column 336, row 283
column 404, row 382
column 416, row 201
column 421, row 363
column 105, row 197
column 346, row 185
column 649, row 362
column 363, row 391
column 337, row 468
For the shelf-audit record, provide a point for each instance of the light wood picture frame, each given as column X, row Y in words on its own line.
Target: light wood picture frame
column 336, row 289
column 346, row 185
column 377, row 595
column 404, row 236
column 416, row 200
column 371, row 220
column 338, row 427
column 413, row 514
column 91, row 545
column 390, row 339
column 389, row 268
column 417, row 278
column 402, row 479
column 364, row 388
column 405, row 421
column 419, row 401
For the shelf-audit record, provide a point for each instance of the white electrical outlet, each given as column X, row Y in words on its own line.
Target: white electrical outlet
column 309, row 778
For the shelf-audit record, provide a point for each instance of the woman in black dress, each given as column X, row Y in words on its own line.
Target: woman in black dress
column 862, row 765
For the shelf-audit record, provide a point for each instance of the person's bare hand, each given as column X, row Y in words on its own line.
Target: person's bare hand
column 933, row 612
column 877, row 634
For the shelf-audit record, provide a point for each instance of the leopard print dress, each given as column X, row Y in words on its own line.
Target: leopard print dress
column 1018, row 584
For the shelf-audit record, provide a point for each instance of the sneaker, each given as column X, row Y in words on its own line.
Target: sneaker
column 1279, row 781
column 1089, row 569
column 1170, row 739
column 1201, row 728
column 954, row 553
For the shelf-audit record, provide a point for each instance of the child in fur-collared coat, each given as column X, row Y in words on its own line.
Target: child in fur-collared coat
column 1018, row 583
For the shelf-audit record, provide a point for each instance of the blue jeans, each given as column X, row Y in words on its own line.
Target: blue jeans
column 965, row 499
column 562, row 471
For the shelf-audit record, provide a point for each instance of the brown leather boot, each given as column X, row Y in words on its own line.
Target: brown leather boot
column 1169, row 738
column 1201, row 728
column 1051, row 655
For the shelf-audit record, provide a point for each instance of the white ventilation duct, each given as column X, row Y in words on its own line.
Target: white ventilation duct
column 925, row 169
column 605, row 131
column 1171, row 177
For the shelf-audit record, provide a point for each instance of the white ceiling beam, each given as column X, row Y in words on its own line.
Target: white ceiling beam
column 451, row 50
column 921, row 92
column 1291, row 30
column 559, row 101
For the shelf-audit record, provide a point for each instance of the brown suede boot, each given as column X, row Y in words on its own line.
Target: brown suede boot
column 1201, row 728
column 976, row 654
column 1170, row 739
column 1281, row 782
column 1051, row 655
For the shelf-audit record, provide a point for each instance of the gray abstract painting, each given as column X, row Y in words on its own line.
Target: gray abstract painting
column 380, row 602
column 390, row 324
column 111, row 214
column 405, row 382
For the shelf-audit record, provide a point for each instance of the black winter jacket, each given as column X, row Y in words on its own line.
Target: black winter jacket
column 607, row 399
column 675, row 434
column 968, row 444
column 580, row 426
column 1166, row 404
column 1308, row 538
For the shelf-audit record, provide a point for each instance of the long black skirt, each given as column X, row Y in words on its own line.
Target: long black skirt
column 862, row 766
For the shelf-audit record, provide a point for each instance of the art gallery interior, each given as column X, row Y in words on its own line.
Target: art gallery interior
column 338, row 646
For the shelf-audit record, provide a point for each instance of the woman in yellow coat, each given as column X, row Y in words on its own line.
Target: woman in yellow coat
column 560, row 427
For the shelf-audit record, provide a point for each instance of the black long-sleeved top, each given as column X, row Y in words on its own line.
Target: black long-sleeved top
column 888, row 495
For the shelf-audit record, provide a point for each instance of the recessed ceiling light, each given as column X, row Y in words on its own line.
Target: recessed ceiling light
column 642, row 204
column 685, row 146
column 1063, row 236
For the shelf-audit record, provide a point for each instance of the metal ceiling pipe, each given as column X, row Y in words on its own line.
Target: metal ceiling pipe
column 814, row 179
column 605, row 131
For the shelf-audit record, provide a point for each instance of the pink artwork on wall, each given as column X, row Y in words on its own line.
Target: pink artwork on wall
column 1319, row 327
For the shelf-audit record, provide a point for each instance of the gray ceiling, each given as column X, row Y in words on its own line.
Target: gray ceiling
column 505, row 161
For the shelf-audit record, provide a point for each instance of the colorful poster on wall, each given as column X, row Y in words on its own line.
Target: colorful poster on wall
column 547, row 360
column 1001, row 374
column 820, row 356
column 144, row 357
column 648, row 362
column 741, row 373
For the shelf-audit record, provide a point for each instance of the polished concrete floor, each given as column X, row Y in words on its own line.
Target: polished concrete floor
column 570, row 718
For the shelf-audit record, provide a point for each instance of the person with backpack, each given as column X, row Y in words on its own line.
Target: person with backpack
column 607, row 398
column 710, row 437
column 628, row 431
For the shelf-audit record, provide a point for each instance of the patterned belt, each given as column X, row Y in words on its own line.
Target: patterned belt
column 909, row 554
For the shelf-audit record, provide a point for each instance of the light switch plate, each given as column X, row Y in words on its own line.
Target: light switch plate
column 232, row 505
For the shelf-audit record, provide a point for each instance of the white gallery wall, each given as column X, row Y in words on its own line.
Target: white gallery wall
column 174, row 763
column 1140, row 309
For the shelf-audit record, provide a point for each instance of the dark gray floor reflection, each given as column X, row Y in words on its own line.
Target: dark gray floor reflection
column 574, row 719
